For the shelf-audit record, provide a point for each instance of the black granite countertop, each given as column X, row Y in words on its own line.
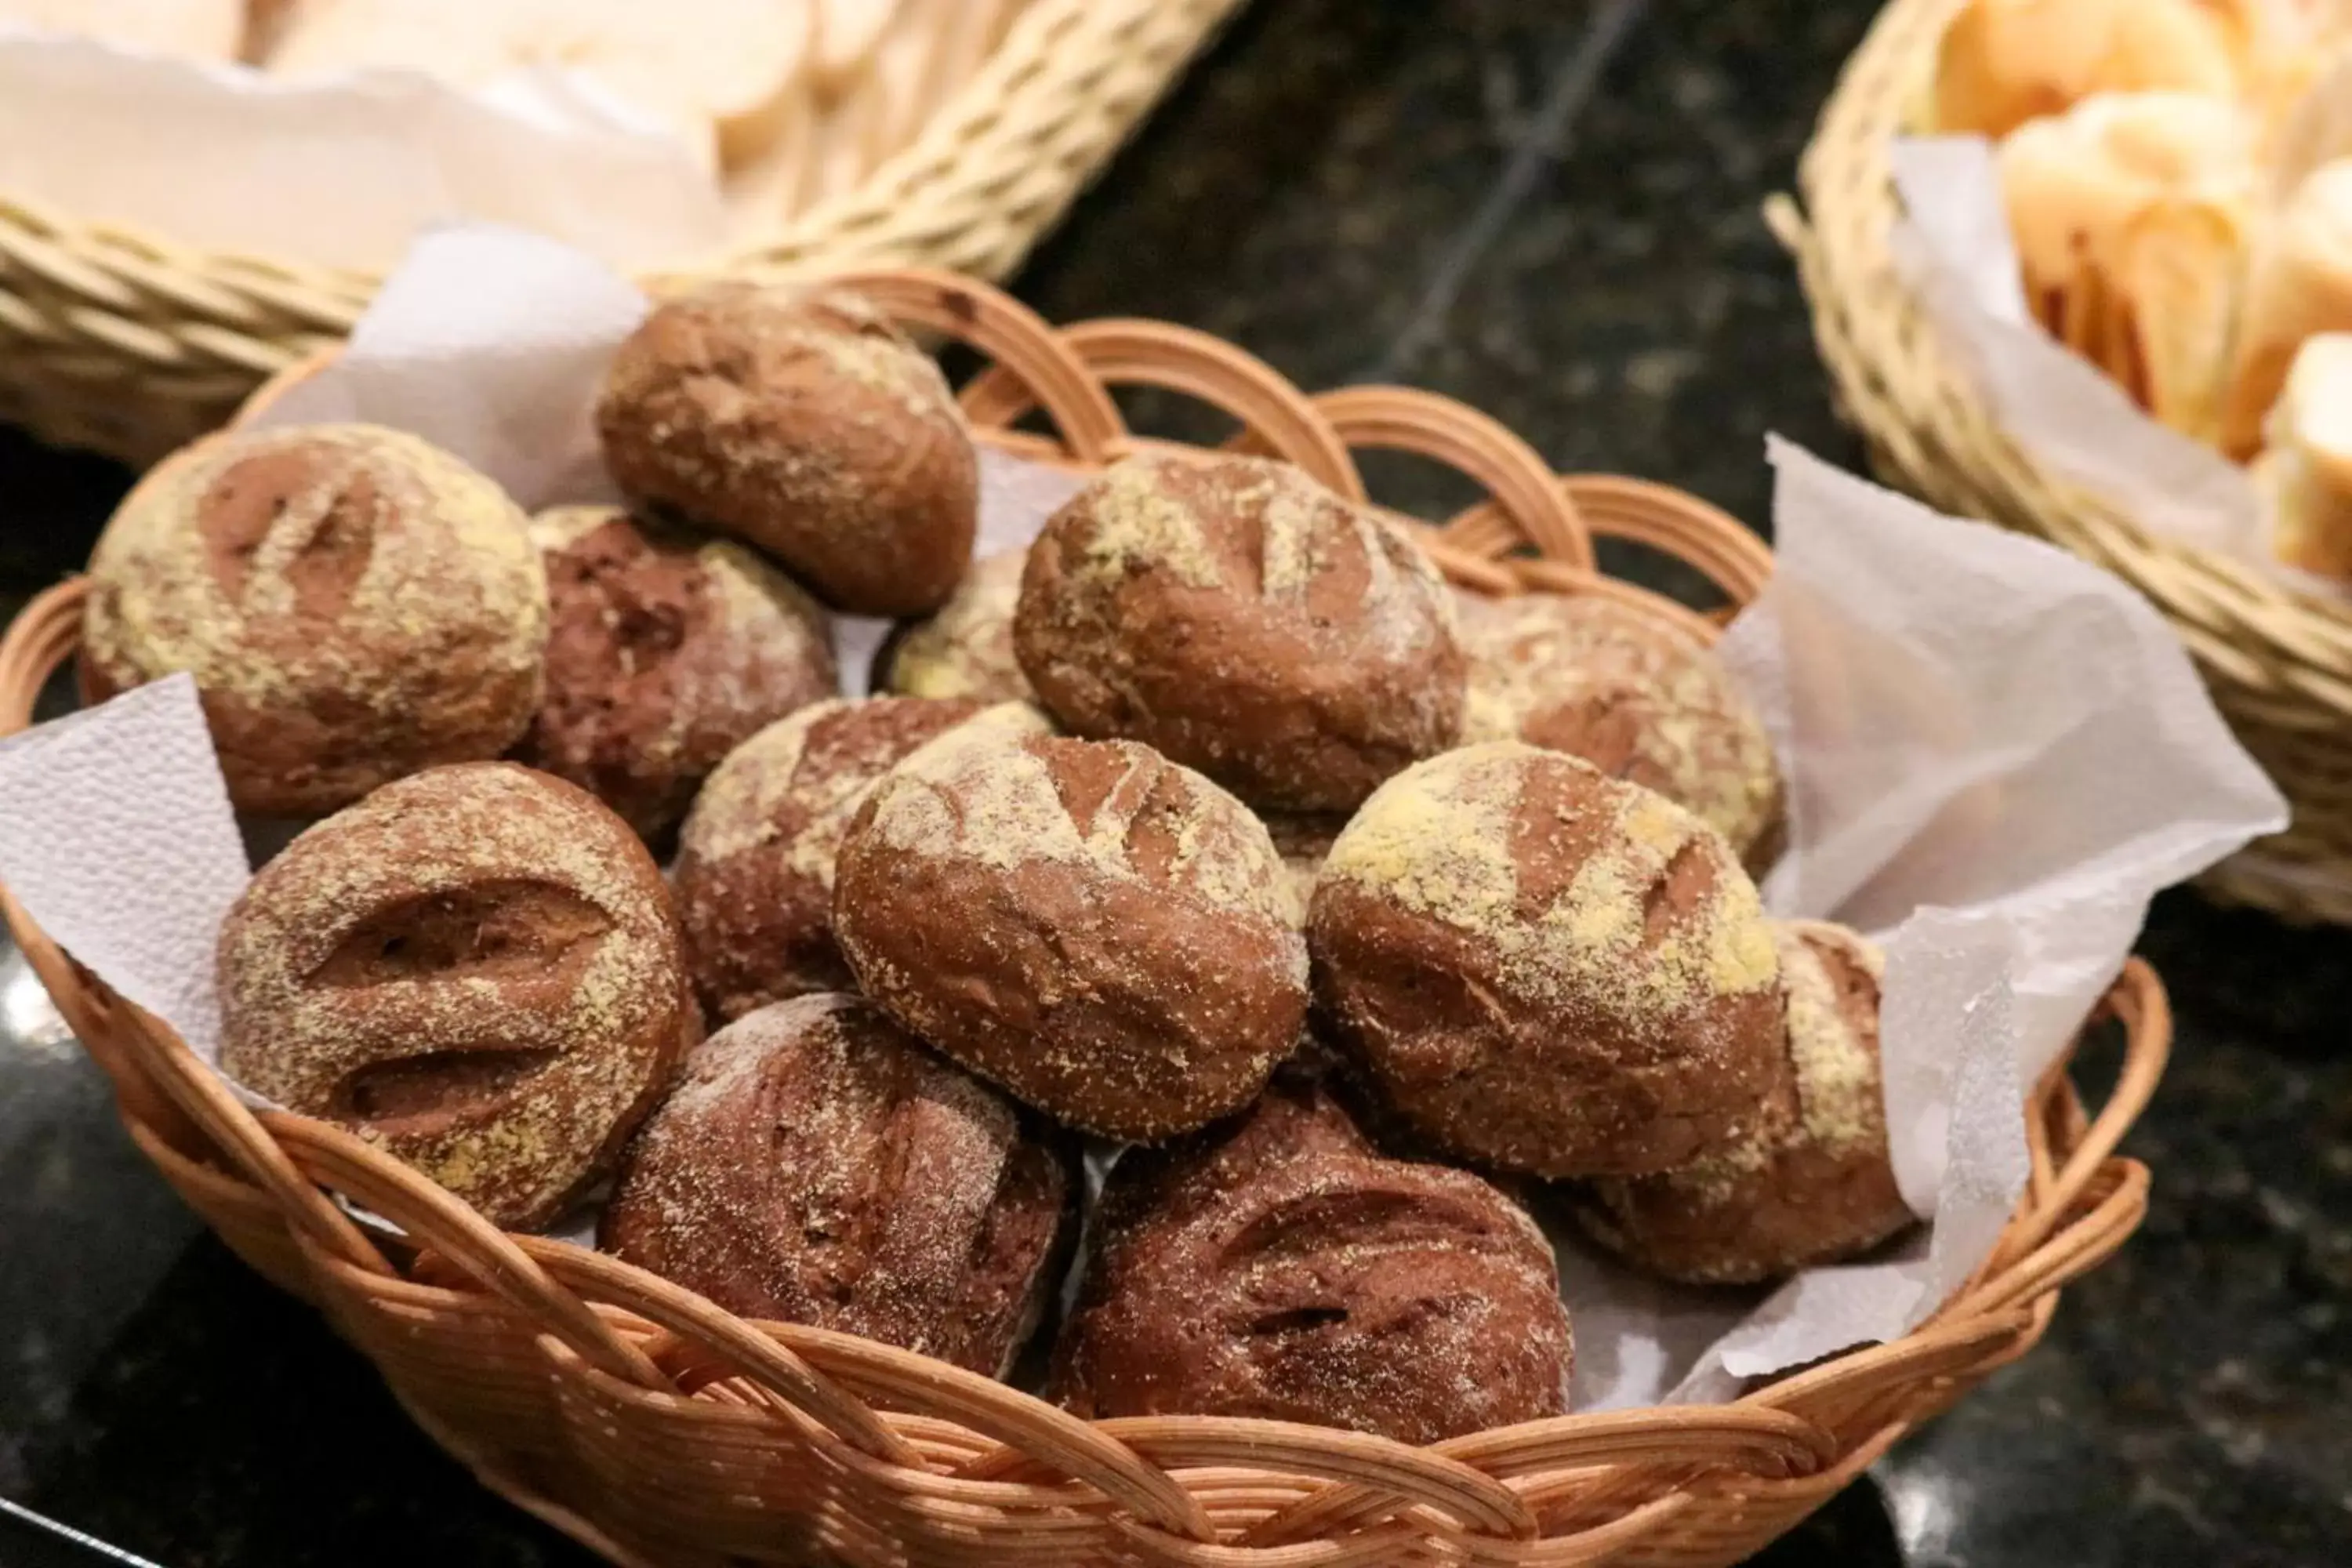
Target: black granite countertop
column 1551, row 211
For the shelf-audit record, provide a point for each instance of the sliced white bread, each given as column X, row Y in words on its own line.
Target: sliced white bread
column 189, row 30
column 847, row 34
column 2133, row 216
column 2306, row 476
column 721, row 71
column 2299, row 286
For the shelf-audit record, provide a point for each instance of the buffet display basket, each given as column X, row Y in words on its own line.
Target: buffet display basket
column 655, row 1428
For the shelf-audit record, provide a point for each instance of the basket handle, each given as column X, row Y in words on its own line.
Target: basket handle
column 1126, row 351
column 1407, row 419
column 1012, row 336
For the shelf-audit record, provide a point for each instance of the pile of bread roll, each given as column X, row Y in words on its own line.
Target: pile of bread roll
column 1214, row 822
column 2179, row 179
column 785, row 102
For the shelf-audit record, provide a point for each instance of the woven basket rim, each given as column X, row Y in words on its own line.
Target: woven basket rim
column 1042, row 28
column 930, row 1436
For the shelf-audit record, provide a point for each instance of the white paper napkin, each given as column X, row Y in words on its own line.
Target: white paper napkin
column 342, row 172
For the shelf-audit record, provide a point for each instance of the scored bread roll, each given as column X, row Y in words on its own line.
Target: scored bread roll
column 1235, row 616
column 1634, row 694
column 667, row 650
column 188, row 29
column 2133, row 215
column 807, row 425
column 1544, row 970
column 1107, row 935
column 354, row 604
column 2004, row 62
column 2306, row 476
column 2300, row 285
column 477, row 970
column 755, row 861
column 1277, row 1265
column 1810, row 1182
column 817, row 1166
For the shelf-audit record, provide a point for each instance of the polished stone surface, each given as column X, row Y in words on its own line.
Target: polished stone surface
column 1551, row 212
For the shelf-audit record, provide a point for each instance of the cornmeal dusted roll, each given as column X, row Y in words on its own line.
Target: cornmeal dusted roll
column 1109, row 936
column 1811, row 1183
column 1239, row 618
column 1547, row 970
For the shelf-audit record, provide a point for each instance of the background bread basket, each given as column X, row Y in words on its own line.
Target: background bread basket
column 654, row 1427
column 132, row 342
column 2278, row 661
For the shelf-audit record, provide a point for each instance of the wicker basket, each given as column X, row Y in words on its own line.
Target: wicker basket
column 130, row 345
column 654, row 1427
column 2279, row 662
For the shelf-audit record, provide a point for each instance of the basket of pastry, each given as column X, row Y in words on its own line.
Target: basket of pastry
column 2080, row 266
column 199, row 195
column 1190, row 1017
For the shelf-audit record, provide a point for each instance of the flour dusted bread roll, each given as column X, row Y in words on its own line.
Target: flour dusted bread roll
column 354, row 604
column 2133, row 215
column 2300, row 287
column 1811, row 1182
column 2004, row 62
column 816, row 1165
column 666, row 652
column 966, row 650
column 807, row 425
column 1547, row 970
column 1635, row 695
column 1107, row 935
column 477, row 970
column 1241, row 620
column 2306, row 476
column 1278, row 1267
column 755, row 865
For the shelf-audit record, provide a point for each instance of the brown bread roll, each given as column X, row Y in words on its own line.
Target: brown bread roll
column 807, row 425
column 354, row 604
column 475, row 969
column 1813, row 1183
column 816, row 1165
column 1277, row 1266
column 1244, row 621
column 966, row 650
column 755, row 864
column 1107, row 935
column 1547, row 970
column 1635, row 695
column 667, row 652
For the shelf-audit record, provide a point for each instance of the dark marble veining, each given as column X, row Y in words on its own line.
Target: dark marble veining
column 1551, row 211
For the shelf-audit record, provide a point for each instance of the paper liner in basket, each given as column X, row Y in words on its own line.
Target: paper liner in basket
column 343, row 171
column 1954, row 244
column 1996, row 754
